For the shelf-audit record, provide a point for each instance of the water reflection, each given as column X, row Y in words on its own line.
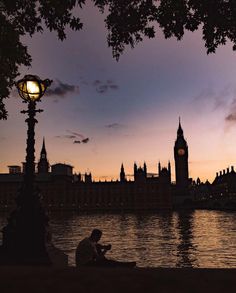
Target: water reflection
column 173, row 239
column 186, row 249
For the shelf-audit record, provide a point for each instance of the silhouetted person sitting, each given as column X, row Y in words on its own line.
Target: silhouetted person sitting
column 91, row 253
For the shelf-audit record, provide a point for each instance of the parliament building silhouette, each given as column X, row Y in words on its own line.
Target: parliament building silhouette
column 61, row 189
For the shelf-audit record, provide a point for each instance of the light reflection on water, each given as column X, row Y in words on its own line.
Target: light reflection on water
column 176, row 239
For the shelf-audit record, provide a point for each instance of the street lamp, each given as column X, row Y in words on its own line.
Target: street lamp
column 32, row 88
column 24, row 237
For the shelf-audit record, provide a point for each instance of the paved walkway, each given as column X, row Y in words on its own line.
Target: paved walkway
column 70, row 280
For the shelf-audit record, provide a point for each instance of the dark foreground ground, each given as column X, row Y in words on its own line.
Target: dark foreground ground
column 69, row 280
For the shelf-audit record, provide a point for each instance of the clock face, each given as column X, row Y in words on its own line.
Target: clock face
column 43, row 156
column 181, row 152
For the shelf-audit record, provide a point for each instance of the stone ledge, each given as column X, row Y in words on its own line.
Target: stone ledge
column 145, row 280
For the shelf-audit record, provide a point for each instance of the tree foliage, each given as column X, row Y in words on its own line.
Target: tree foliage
column 127, row 21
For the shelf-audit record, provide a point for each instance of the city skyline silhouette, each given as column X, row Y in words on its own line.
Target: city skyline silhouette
column 152, row 168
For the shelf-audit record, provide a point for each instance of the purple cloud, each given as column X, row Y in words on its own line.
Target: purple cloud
column 102, row 87
column 60, row 89
column 115, row 126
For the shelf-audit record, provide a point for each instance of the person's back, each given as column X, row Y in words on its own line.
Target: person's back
column 85, row 252
column 90, row 253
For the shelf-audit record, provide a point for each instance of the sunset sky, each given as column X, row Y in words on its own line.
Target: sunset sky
column 129, row 109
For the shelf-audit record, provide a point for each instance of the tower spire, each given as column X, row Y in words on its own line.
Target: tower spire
column 43, row 165
column 159, row 168
column 122, row 173
column 43, row 150
column 135, row 170
column 180, row 130
column 145, row 168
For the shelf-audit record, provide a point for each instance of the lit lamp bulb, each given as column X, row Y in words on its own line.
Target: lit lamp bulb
column 32, row 88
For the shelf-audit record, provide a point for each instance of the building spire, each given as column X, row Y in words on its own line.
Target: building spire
column 43, row 150
column 169, row 166
column 43, row 165
column 145, row 168
column 180, row 130
column 122, row 173
column 135, row 170
column 159, row 168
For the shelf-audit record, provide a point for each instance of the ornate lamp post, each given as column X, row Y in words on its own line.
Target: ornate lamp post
column 24, row 237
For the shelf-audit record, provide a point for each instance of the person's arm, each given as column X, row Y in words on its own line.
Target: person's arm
column 102, row 249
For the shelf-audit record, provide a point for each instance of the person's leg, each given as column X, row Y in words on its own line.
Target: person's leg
column 104, row 262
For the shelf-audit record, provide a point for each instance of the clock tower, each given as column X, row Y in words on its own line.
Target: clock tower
column 181, row 160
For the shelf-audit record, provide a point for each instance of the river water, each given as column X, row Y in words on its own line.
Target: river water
column 198, row 238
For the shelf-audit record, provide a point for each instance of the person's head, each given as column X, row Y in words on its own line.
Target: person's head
column 96, row 235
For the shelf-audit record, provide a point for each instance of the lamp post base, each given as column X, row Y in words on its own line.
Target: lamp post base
column 27, row 238
column 55, row 258
column 26, row 234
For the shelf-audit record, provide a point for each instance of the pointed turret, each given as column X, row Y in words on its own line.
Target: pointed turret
column 43, row 165
column 79, row 177
column 43, row 150
column 169, row 170
column 159, row 168
column 122, row 173
column 135, row 170
column 145, row 169
column 180, row 130
column 88, row 177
